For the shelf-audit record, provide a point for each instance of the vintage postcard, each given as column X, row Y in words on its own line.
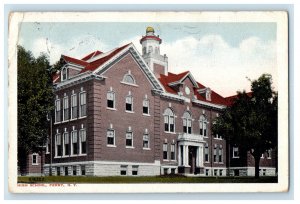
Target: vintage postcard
column 119, row 102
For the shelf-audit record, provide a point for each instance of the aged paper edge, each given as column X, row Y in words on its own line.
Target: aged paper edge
column 279, row 17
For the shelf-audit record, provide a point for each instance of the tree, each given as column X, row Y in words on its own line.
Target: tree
column 35, row 101
column 250, row 122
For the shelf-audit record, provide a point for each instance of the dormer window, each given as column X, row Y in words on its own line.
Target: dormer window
column 206, row 93
column 65, row 73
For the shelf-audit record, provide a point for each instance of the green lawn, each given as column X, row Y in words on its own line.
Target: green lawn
column 144, row 179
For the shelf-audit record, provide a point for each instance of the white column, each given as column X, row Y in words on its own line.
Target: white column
column 197, row 157
column 184, row 155
column 200, row 158
column 179, row 155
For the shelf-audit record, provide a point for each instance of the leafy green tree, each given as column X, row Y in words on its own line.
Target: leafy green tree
column 250, row 122
column 35, row 101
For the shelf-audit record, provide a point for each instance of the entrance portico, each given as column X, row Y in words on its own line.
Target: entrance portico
column 190, row 154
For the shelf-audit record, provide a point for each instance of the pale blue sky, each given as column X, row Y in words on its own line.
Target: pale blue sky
column 215, row 53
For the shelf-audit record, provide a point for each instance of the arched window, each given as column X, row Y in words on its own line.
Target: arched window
column 128, row 78
column 169, row 120
column 203, row 125
column 187, row 122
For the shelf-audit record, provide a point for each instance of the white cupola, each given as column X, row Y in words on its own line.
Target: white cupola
column 151, row 53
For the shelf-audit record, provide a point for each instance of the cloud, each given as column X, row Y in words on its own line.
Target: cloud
column 217, row 64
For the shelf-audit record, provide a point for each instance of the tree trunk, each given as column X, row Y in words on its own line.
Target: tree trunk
column 257, row 159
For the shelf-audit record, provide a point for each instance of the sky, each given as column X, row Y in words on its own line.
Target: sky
column 222, row 56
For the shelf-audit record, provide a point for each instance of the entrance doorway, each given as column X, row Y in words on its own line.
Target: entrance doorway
column 192, row 159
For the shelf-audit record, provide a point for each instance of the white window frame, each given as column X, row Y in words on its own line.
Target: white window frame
column 66, row 98
column 216, row 149
column 72, row 115
column 147, row 148
column 206, row 147
column 72, row 142
column 168, row 117
column 220, row 150
column 80, row 104
column 80, row 141
column 165, row 145
column 129, row 111
column 131, row 133
column 188, row 120
column 269, row 154
column 57, row 102
column 114, row 137
column 235, row 149
column 203, row 123
column 56, row 144
column 36, row 161
column 126, row 82
column 174, row 146
column 114, row 100
column 48, row 142
column 65, row 69
column 148, row 106
column 63, row 143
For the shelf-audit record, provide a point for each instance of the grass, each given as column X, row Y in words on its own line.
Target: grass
column 144, row 179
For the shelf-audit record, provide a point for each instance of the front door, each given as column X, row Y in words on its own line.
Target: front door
column 192, row 159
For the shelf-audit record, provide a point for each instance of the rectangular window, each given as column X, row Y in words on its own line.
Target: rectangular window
column 166, row 121
column 172, row 124
column 173, row 171
column 235, row 152
column 189, row 124
column 82, row 135
column 215, row 172
column 57, row 111
column 74, row 142
column 205, row 129
column 58, row 171
column 66, row 108
column 129, row 101
column 129, row 139
column 74, row 106
column 34, row 159
column 172, row 151
column 165, row 151
column 66, row 171
column 110, row 137
column 221, row 172
column 146, row 107
column 82, row 104
column 82, row 170
column 58, row 151
column 220, row 154
column 201, row 128
column 123, row 170
column 135, row 170
column 269, row 153
column 48, row 146
column 74, row 170
column 66, row 143
column 184, row 125
column 146, row 141
column 207, row 172
column 215, row 154
column 206, row 153
column 110, row 99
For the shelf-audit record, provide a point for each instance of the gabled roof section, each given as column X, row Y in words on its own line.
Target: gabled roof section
column 167, row 82
column 176, row 79
column 102, row 58
column 230, row 99
column 72, row 60
column 92, row 55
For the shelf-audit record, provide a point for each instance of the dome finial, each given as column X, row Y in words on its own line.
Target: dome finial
column 149, row 29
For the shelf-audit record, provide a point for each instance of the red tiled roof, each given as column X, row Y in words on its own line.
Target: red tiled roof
column 97, row 63
column 165, row 80
column 230, row 99
column 150, row 37
column 90, row 66
column 75, row 61
column 93, row 54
